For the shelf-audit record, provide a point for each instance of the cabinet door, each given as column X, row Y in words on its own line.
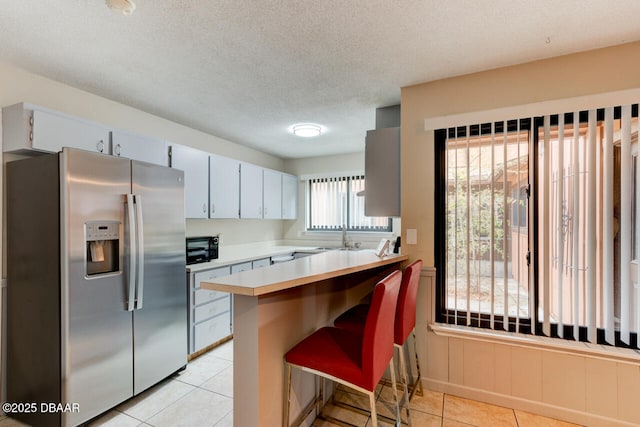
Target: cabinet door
column 212, row 330
column 259, row 263
column 203, row 276
column 138, row 147
column 289, row 196
column 195, row 164
column 243, row 266
column 51, row 132
column 272, row 194
column 224, row 187
column 382, row 172
column 250, row 191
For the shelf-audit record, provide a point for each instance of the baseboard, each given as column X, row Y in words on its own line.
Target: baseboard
column 534, row 407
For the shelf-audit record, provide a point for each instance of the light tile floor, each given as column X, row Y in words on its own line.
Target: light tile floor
column 434, row 409
column 202, row 395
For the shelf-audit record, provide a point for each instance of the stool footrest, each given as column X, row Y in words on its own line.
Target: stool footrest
column 358, row 410
column 306, row 411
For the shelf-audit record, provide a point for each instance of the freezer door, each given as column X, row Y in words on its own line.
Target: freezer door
column 160, row 316
column 97, row 357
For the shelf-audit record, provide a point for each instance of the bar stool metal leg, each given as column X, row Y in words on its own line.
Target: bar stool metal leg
column 418, row 383
column 287, row 398
column 395, row 393
column 405, row 381
column 372, row 405
column 320, row 399
column 316, row 403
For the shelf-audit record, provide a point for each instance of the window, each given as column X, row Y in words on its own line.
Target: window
column 533, row 215
column 334, row 202
column 484, row 207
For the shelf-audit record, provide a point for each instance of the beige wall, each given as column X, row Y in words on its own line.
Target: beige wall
column 556, row 383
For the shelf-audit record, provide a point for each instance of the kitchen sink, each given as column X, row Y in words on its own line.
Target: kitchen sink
column 337, row 248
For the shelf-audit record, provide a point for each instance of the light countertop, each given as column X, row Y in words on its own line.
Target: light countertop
column 242, row 253
column 302, row 271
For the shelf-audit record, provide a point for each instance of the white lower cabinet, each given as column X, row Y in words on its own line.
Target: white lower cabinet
column 298, row 255
column 210, row 331
column 262, row 262
column 243, row 266
column 203, row 296
column 209, row 311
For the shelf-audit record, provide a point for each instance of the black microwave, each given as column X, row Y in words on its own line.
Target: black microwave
column 202, row 249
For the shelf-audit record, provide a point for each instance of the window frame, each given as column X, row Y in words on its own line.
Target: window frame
column 481, row 320
column 526, row 326
column 346, row 215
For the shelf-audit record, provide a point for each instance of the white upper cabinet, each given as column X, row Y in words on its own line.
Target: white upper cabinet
column 214, row 186
column 26, row 127
column 138, row 147
column 195, row 164
column 250, row 191
column 289, row 196
column 224, row 187
column 272, row 194
column 382, row 174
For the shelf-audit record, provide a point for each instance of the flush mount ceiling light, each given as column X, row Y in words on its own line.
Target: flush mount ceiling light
column 125, row 6
column 307, row 130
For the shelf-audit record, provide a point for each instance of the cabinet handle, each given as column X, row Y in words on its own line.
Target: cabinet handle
column 117, row 150
column 213, row 208
column 204, row 208
column 31, row 130
column 100, row 146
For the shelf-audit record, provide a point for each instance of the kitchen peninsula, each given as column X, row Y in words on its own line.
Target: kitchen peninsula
column 277, row 306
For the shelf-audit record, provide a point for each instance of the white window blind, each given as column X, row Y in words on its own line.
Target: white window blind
column 593, row 178
column 487, row 172
column 581, row 223
column 335, row 202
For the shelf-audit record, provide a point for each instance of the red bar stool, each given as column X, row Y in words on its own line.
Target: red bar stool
column 355, row 359
column 405, row 323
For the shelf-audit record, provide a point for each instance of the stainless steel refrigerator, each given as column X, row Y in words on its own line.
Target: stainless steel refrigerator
column 97, row 308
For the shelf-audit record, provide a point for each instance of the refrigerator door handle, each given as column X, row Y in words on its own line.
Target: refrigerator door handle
column 140, row 244
column 133, row 249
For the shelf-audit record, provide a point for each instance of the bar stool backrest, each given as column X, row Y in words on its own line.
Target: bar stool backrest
column 377, row 345
column 406, row 311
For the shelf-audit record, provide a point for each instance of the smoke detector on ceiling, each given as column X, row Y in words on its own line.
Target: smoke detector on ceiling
column 125, row 6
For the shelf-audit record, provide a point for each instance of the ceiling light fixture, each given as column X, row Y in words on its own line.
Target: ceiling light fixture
column 125, row 6
column 307, row 130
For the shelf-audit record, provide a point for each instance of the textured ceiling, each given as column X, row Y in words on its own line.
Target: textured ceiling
column 246, row 70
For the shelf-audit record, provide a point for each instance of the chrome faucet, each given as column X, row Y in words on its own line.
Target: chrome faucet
column 345, row 240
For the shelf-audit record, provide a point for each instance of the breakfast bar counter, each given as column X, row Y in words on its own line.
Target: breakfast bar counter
column 277, row 306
